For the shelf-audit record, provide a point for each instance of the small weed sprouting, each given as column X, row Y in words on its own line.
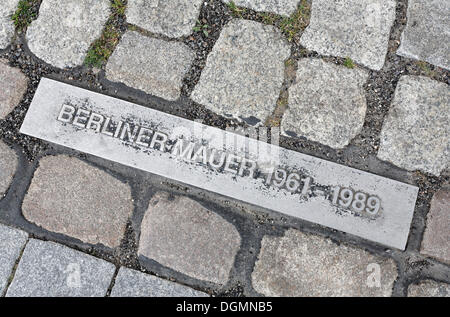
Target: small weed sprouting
column 298, row 21
column 24, row 14
column 119, row 7
column 102, row 48
column 199, row 27
column 349, row 63
column 235, row 10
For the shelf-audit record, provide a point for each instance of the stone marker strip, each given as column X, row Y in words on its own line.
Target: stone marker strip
column 298, row 185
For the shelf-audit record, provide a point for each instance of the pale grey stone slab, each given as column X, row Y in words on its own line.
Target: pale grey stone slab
column 8, row 167
column 180, row 233
column 7, row 9
column 131, row 283
column 11, row 243
column 416, row 132
column 244, row 72
column 47, row 269
column 387, row 224
column 282, row 7
column 13, row 85
column 351, row 28
column 156, row 66
column 326, row 104
column 175, row 18
column 299, row 264
column 64, row 30
column 71, row 197
column 427, row 36
column 429, row 288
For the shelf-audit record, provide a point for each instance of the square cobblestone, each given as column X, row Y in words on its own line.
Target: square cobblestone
column 71, row 197
column 156, row 66
column 357, row 29
column 429, row 288
column 8, row 167
column 130, row 283
column 244, row 72
column 175, row 18
column 327, row 104
column 436, row 240
column 11, row 243
column 64, row 30
column 416, row 132
column 182, row 234
column 7, row 9
column 13, row 85
column 426, row 36
column 298, row 264
column 47, row 269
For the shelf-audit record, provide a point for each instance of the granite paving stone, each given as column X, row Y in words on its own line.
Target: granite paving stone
column 427, row 36
column 326, row 104
column 7, row 9
column 13, row 85
column 281, row 7
column 71, row 197
column 64, row 30
column 175, row 18
column 156, row 66
column 416, row 132
column 47, row 269
column 11, row 243
column 429, row 288
column 131, row 283
column 358, row 29
column 244, row 72
column 299, row 264
column 183, row 235
column 436, row 240
column 8, row 167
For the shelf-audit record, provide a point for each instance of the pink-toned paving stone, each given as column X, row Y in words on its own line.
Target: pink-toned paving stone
column 13, row 85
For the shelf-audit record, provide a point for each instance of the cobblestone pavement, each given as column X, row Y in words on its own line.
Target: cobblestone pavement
column 360, row 83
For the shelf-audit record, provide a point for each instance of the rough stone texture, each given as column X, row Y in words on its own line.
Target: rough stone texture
column 416, row 132
column 327, row 104
column 436, row 240
column 13, row 85
column 11, row 244
column 7, row 9
column 47, row 269
column 429, row 288
column 351, row 28
column 298, row 264
column 173, row 18
column 181, row 234
column 64, row 30
column 282, row 7
column 8, row 166
column 156, row 66
column 426, row 36
column 130, row 283
column 71, row 197
column 244, row 72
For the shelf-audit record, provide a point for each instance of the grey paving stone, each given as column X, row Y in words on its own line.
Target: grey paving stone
column 244, row 72
column 429, row 288
column 426, row 36
column 298, row 264
column 47, row 269
column 64, row 30
column 351, row 28
column 11, row 243
column 181, row 234
column 282, row 7
column 327, row 103
column 13, row 85
column 7, row 9
column 71, row 197
column 173, row 18
column 156, row 66
column 131, row 283
column 436, row 240
column 416, row 132
column 8, row 166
